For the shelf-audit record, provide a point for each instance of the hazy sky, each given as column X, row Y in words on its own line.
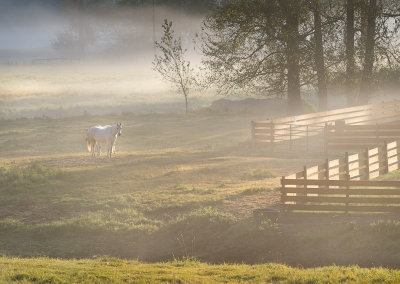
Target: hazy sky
column 29, row 28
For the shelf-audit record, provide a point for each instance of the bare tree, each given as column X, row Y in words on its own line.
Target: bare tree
column 171, row 64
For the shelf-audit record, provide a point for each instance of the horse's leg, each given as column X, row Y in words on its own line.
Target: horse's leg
column 109, row 148
column 112, row 148
column 98, row 145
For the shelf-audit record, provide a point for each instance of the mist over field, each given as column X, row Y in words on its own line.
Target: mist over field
column 46, row 71
column 138, row 149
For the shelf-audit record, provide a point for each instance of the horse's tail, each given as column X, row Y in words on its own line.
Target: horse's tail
column 89, row 146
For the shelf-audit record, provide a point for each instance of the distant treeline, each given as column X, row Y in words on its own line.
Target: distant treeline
column 191, row 5
column 188, row 5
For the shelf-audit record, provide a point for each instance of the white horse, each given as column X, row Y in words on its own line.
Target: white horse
column 103, row 134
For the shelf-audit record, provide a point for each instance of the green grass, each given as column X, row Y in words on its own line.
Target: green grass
column 24, row 178
column 111, row 270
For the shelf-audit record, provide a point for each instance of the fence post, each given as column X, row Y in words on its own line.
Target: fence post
column 282, row 191
column 397, row 153
column 305, row 172
column 367, row 164
column 347, row 193
column 386, row 157
column 272, row 133
column 347, row 166
column 305, row 177
column 326, row 138
column 327, row 169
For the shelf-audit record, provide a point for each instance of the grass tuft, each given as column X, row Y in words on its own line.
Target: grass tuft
column 254, row 190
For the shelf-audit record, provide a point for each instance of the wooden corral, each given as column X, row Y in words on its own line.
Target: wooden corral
column 364, row 165
column 343, row 185
column 350, row 137
column 345, row 196
column 291, row 128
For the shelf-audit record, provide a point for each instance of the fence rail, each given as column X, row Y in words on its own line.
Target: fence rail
column 344, row 185
column 303, row 126
column 340, row 196
column 364, row 165
column 348, row 137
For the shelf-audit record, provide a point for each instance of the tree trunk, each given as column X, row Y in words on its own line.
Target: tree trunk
column 186, row 104
column 365, row 88
column 319, row 58
column 185, row 94
column 350, row 63
column 363, row 26
column 292, row 54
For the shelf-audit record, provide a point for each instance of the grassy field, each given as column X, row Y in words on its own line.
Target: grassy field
column 107, row 270
column 179, row 187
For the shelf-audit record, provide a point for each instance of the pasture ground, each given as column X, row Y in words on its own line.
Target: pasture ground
column 111, row 270
column 179, row 187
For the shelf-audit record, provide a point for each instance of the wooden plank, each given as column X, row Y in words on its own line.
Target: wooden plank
column 392, row 145
column 346, row 112
column 324, row 199
column 388, row 134
column 352, row 127
column 345, row 147
column 373, row 118
column 350, row 208
column 263, row 124
column 356, row 140
column 329, row 191
column 372, row 183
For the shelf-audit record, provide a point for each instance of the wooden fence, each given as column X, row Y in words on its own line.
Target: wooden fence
column 303, row 126
column 343, row 185
column 340, row 196
column 364, row 165
column 349, row 137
